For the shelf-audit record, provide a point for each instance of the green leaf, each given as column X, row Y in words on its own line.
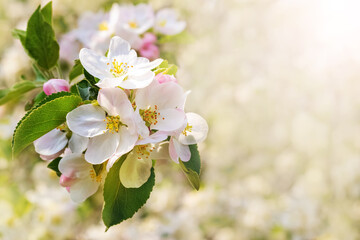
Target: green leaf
column 92, row 80
column 87, row 91
column 19, row 34
column 38, row 74
column 42, row 118
column 40, row 42
column 171, row 70
column 54, row 165
column 166, row 68
column 122, row 203
column 76, row 70
column 17, row 90
column 192, row 167
column 47, row 13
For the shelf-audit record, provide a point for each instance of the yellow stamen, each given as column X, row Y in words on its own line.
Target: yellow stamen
column 150, row 116
column 162, row 23
column 113, row 123
column 143, row 150
column 118, row 69
column 93, row 176
column 187, row 129
column 103, row 26
column 132, row 24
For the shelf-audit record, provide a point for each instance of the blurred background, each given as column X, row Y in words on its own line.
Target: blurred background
column 278, row 82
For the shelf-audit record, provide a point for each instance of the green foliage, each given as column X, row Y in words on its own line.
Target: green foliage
column 87, row 91
column 166, row 68
column 122, row 203
column 54, row 165
column 17, row 90
column 39, row 38
column 192, row 167
column 42, row 118
column 92, row 80
column 76, row 70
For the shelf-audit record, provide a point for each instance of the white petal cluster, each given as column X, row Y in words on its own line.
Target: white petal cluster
column 131, row 22
column 136, row 114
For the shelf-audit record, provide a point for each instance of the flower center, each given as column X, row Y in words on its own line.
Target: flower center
column 162, row 23
column 150, row 116
column 119, row 69
column 113, row 123
column 143, row 150
column 94, row 177
column 187, row 129
column 132, row 24
column 103, row 26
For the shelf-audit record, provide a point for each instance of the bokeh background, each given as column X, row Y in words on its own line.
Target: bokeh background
column 279, row 84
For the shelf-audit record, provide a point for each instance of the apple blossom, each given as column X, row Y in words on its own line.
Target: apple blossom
column 137, row 19
column 56, row 85
column 163, row 78
column 148, row 48
column 159, row 105
column 135, row 170
column 121, row 68
column 79, row 177
column 193, row 131
column 166, row 22
column 150, row 51
column 52, row 144
column 110, row 126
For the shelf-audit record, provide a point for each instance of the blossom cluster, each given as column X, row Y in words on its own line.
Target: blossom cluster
column 137, row 24
column 137, row 112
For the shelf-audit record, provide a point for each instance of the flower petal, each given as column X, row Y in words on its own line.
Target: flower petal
column 115, row 102
column 71, row 164
column 101, row 147
column 118, row 46
column 172, row 151
column 169, row 120
column 153, row 138
column 183, row 151
column 165, row 95
column 51, row 143
column 135, row 171
column 77, row 143
column 94, row 63
column 126, row 143
column 82, row 189
column 135, row 81
column 148, row 66
column 87, row 120
column 198, row 132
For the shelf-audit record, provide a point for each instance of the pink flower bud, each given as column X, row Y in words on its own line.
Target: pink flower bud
column 149, row 38
column 150, row 51
column 66, row 181
column 56, row 85
column 163, row 78
column 148, row 48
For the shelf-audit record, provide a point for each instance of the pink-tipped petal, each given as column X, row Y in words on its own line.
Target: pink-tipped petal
column 56, row 85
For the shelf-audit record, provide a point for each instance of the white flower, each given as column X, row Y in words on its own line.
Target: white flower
column 135, row 170
column 52, row 144
column 121, row 68
column 79, row 177
column 136, row 19
column 194, row 131
column 110, row 126
column 166, row 22
column 160, row 105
